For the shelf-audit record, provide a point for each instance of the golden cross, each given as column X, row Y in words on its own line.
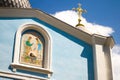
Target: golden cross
column 79, row 11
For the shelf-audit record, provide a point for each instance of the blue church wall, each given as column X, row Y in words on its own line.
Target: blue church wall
column 72, row 59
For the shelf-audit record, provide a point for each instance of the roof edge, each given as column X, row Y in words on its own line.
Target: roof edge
column 104, row 40
column 81, row 34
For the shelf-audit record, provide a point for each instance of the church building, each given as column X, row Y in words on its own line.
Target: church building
column 37, row 46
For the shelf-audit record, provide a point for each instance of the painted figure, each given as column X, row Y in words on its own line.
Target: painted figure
column 31, row 50
column 28, row 45
column 38, row 44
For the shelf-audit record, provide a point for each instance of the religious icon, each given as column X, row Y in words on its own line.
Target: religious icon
column 31, row 52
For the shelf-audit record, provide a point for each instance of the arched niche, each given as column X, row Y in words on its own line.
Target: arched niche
column 32, row 50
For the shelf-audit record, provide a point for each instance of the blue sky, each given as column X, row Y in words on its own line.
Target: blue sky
column 103, row 12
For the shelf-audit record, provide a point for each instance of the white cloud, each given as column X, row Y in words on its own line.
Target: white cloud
column 116, row 62
column 71, row 17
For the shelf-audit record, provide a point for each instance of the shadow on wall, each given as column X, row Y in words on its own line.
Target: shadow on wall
column 89, row 56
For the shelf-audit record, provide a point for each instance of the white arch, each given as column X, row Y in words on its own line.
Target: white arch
column 47, row 56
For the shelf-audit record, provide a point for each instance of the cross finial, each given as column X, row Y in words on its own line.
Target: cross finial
column 79, row 11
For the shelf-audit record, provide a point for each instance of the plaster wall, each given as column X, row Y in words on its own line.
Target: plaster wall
column 72, row 59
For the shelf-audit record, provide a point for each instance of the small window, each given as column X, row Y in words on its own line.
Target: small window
column 32, row 49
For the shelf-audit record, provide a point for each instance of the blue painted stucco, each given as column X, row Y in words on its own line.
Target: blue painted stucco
column 72, row 59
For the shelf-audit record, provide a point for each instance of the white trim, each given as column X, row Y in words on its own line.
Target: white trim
column 47, row 63
column 101, row 58
column 31, row 68
column 20, row 76
column 29, row 13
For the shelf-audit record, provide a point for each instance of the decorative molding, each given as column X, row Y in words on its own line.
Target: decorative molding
column 47, row 57
column 33, row 13
column 81, row 34
column 31, row 68
column 20, row 76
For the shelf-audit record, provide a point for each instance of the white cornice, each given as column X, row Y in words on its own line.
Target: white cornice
column 81, row 34
column 103, row 40
column 20, row 76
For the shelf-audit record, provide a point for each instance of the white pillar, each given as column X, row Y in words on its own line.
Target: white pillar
column 102, row 59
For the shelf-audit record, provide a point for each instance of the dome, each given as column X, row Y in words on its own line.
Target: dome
column 15, row 3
